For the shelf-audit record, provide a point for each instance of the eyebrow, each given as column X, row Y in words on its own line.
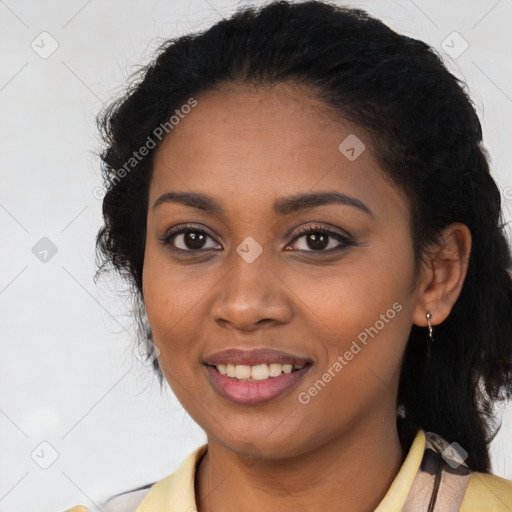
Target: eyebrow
column 281, row 207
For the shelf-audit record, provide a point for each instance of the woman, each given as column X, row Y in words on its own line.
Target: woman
column 302, row 203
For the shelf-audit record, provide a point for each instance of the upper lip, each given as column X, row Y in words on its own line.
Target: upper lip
column 253, row 357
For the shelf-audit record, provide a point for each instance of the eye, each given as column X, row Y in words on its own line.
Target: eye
column 319, row 239
column 315, row 239
column 188, row 239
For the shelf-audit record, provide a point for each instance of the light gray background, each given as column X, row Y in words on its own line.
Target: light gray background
column 68, row 375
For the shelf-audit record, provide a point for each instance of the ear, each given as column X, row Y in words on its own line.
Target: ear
column 442, row 276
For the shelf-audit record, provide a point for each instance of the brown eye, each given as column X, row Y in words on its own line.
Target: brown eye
column 192, row 240
column 188, row 239
column 316, row 239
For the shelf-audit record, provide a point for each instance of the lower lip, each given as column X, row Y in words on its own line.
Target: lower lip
column 254, row 392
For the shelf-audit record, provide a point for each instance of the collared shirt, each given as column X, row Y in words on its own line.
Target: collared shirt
column 176, row 492
column 433, row 477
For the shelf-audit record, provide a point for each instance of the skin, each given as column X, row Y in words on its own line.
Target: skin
column 246, row 148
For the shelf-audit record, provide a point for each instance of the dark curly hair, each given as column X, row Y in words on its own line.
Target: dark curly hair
column 427, row 138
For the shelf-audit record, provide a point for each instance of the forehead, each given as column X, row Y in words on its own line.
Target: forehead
column 247, row 144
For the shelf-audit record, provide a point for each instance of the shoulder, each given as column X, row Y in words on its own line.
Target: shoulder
column 177, row 487
column 487, row 492
column 127, row 501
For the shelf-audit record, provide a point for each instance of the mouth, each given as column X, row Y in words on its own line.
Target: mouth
column 259, row 372
column 254, row 376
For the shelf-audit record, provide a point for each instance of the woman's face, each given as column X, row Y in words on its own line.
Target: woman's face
column 244, row 290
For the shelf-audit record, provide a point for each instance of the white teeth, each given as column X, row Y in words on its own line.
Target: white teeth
column 242, row 371
column 275, row 369
column 257, row 372
column 260, row 372
column 287, row 368
column 230, row 370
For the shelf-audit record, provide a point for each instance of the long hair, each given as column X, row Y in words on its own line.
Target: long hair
column 427, row 138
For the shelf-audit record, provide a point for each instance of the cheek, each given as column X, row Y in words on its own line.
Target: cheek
column 170, row 292
column 176, row 299
column 353, row 297
column 368, row 308
column 165, row 302
column 363, row 353
column 169, row 314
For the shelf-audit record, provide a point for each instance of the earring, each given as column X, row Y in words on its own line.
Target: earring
column 429, row 316
column 430, row 342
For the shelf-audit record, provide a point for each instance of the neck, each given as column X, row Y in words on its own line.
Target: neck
column 353, row 471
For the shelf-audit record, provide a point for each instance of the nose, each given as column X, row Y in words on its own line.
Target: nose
column 251, row 295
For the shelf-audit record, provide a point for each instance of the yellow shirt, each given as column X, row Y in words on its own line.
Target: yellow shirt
column 484, row 492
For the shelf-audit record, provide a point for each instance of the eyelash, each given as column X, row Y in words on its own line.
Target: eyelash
column 345, row 240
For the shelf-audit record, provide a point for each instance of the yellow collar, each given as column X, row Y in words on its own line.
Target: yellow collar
column 176, row 492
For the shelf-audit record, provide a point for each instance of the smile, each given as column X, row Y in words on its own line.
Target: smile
column 258, row 372
column 256, row 384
